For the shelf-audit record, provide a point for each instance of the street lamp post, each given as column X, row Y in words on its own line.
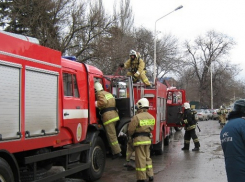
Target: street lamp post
column 211, row 85
column 155, row 41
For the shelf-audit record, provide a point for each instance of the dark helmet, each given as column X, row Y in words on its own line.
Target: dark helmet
column 239, row 106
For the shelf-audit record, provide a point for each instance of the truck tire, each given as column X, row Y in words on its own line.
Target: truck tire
column 28, row 176
column 6, row 174
column 123, row 139
column 167, row 141
column 97, row 155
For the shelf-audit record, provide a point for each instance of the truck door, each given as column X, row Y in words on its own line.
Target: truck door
column 75, row 104
column 175, row 100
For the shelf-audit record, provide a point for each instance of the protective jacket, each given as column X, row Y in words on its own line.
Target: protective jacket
column 140, row 128
column 232, row 139
column 106, row 101
column 222, row 115
column 137, row 65
column 189, row 119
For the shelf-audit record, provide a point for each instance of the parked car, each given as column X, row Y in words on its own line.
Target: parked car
column 202, row 116
column 215, row 115
column 209, row 114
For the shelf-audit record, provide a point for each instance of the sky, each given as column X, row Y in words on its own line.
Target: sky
column 194, row 19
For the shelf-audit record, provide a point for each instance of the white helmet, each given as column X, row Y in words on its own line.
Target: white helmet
column 221, row 107
column 142, row 103
column 187, row 105
column 133, row 53
column 98, row 86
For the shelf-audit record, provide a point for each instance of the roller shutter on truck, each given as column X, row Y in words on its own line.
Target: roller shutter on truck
column 41, row 102
column 9, row 100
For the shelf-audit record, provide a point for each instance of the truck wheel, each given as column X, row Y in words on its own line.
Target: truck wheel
column 26, row 175
column 123, row 139
column 6, row 174
column 160, row 147
column 97, row 155
column 178, row 128
column 166, row 141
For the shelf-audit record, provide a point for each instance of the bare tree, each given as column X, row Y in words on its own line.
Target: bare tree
column 124, row 16
column 213, row 49
column 168, row 56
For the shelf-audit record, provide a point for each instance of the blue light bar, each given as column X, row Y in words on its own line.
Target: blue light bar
column 73, row 58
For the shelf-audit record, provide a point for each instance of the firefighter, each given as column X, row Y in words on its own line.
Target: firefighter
column 233, row 143
column 222, row 116
column 140, row 129
column 107, row 105
column 190, row 126
column 137, row 66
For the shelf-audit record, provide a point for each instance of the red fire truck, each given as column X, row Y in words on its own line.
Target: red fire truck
column 49, row 118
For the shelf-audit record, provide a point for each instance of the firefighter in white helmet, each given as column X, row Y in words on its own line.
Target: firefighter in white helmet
column 137, row 66
column 190, row 126
column 107, row 105
column 140, row 129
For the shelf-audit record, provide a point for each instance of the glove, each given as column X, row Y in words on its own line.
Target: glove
column 185, row 121
column 121, row 65
column 136, row 74
column 135, row 79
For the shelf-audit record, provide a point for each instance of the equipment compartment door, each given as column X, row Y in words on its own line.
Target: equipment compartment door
column 9, row 100
column 175, row 100
column 41, row 103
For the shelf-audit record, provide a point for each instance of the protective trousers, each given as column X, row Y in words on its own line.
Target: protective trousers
column 222, row 118
column 187, row 137
column 142, row 76
column 143, row 162
column 112, row 137
column 130, row 151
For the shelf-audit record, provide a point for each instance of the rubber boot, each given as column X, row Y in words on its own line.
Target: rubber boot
column 197, row 145
column 151, row 178
column 116, row 156
column 186, row 146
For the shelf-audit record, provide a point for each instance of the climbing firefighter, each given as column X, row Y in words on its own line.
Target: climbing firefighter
column 190, row 126
column 107, row 106
column 140, row 129
column 137, row 68
column 222, row 115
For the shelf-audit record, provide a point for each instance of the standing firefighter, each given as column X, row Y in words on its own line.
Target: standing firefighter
column 190, row 126
column 137, row 66
column 232, row 138
column 140, row 129
column 107, row 105
column 222, row 115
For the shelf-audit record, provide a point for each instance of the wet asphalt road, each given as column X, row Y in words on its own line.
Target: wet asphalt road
column 176, row 165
